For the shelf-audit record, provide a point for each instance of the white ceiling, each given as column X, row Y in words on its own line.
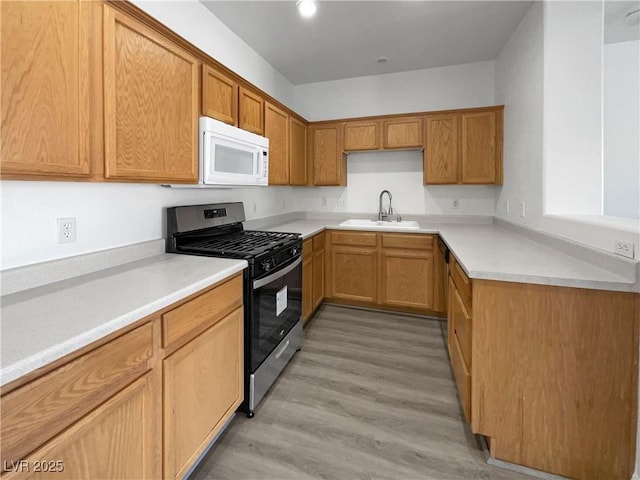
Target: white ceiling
column 345, row 38
column 616, row 27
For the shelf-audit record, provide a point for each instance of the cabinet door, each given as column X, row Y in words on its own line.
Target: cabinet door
column 203, row 386
column 354, row 274
column 251, row 111
column 307, row 279
column 318, row 278
column 479, row 147
column 441, row 149
column 362, row 135
column 407, row 279
column 297, row 152
column 151, row 104
column 219, row 96
column 50, row 76
column 404, row 132
column 119, row 439
column 329, row 167
column 276, row 129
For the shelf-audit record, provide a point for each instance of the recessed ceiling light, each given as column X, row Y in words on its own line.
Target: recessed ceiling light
column 382, row 60
column 307, row 8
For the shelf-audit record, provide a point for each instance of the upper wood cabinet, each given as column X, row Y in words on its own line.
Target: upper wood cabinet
column 441, row 149
column 464, row 147
column 326, row 154
column 363, row 135
column 151, row 104
column 219, row 96
column 276, row 129
column 297, row 152
column 481, row 147
column 252, row 111
column 50, row 62
column 402, row 132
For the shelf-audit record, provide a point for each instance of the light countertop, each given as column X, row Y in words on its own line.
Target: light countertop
column 44, row 324
column 490, row 252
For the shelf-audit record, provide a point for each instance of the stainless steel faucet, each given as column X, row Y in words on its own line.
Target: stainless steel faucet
column 382, row 215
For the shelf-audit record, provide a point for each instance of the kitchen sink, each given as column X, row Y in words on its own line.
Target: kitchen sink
column 380, row 224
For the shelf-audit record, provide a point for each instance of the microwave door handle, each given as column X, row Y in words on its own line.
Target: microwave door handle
column 279, row 274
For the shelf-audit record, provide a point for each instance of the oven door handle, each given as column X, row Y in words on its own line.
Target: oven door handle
column 274, row 276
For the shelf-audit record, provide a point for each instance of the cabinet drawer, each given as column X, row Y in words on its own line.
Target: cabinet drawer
column 422, row 242
column 318, row 242
column 461, row 326
column 462, row 281
column 36, row 412
column 307, row 248
column 195, row 316
column 463, row 378
column 364, row 239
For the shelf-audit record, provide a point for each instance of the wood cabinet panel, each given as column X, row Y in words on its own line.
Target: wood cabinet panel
column 251, row 106
column 441, row 149
column 318, row 277
column 364, row 239
column 462, row 376
column 117, row 440
column 276, row 129
column 195, row 410
column 407, row 278
column 462, row 281
column 318, row 242
column 461, row 322
column 50, row 64
column 327, row 157
column 407, row 241
column 219, row 96
column 189, row 319
column 555, row 377
column 35, row 413
column 403, row 132
column 478, row 154
column 307, row 287
column 297, row 152
column 151, row 104
column 362, row 135
column 354, row 273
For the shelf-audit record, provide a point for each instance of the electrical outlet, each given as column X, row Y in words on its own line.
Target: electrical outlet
column 324, row 201
column 522, row 209
column 624, row 248
column 66, row 230
column 342, row 202
column 507, row 207
column 455, row 203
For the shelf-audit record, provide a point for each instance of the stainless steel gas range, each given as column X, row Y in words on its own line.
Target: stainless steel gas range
column 272, row 284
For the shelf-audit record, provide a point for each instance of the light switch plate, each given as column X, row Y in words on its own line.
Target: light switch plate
column 624, row 248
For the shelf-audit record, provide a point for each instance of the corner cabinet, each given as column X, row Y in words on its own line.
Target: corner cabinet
column 297, row 152
column 464, row 147
column 151, row 104
column 51, row 64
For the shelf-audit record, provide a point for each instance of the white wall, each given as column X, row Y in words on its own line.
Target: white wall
column 400, row 173
column 458, row 86
column 621, row 129
column 108, row 215
column 572, row 142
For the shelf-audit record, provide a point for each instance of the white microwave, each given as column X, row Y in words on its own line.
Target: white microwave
column 230, row 156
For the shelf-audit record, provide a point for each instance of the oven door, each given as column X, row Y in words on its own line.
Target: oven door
column 276, row 308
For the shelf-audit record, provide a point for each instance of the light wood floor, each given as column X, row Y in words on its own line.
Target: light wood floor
column 369, row 396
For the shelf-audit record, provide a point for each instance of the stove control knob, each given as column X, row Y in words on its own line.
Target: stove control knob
column 266, row 265
column 295, row 251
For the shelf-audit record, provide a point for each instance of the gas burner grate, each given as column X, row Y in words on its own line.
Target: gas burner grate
column 246, row 243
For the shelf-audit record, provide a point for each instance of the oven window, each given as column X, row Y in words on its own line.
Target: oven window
column 233, row 160
column 269, row 327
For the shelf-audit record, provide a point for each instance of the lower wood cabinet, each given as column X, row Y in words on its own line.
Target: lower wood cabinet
column 549, row 374
column 143, row 404
column 203, row 387
column 313, row 274
column 383, row 270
